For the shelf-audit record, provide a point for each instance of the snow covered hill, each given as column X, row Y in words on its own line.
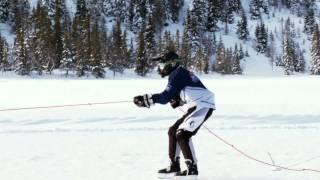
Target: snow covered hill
column 256, row 64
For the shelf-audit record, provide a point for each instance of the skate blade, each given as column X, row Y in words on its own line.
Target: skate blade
column 166, row 176
column 190, row 177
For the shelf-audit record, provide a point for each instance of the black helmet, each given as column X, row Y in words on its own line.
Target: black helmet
column 167, row 63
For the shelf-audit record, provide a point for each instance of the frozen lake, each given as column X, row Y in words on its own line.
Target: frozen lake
column 274, row 118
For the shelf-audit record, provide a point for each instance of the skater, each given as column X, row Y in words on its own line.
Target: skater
column 183, row 89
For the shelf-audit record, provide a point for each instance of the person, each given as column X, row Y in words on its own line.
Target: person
column 183, row 89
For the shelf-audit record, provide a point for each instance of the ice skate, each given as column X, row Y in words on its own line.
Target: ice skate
column 190, row 173
column 171, row 170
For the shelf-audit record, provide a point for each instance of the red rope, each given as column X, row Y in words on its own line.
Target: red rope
column 251, row 157
column 255, row 159
column 60, row 106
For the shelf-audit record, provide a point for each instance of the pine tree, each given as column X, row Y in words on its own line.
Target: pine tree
column 265, row 6
column 105, row 46
column 81, row 10
column 293, row 5
column 58, row 46
column 159, row 15
column 126, row 51
column 228, row 61
column 67, row 62
column 131, row 54
column 185, row 53
column 150, row 38
column 96, row 52
column 198, row 60
column 43, row 40
column 235, row 5
column 292, row 58
column 51, row 7
column 142, row 66
column 3, row 54
column 241, row 53
column 198, row 20
column 166, row 41
column 271, row 51
column 160, row 44
column 189, row 27
column 34, row 49
column 130, row 15
column 23, row 66
column 288, row 56
column 109, row 7
column 174, row 9
column 227, row 13
column 206, row 64
column 261, row 38
column 169, row 43
column 214, row 14
column 140, row 16
column 118, row 49
column 120, row 9
column 309, row 20
column 81, row 38
column 18, row 12
column 315, row 51
column 257, row 7
column 242, row 30
column 300, row 64
column 209, row 44
column 177, row 42
column 19, row 17
column 236, row 69
column 4, row 11
column 215, row 10
column 220, row 58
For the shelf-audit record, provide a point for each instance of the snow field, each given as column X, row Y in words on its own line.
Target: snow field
column 260, row 115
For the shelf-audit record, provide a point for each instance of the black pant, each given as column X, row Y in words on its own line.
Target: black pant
column 182, row 137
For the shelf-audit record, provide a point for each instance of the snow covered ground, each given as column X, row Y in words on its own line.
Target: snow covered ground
column 263, row 116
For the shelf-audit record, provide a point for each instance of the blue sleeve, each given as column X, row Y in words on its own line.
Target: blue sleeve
column 175, row 85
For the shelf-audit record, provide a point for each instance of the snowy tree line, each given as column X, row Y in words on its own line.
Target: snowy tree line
column 48, row 37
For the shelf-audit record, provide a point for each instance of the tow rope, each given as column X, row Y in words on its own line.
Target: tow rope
column 61, row 106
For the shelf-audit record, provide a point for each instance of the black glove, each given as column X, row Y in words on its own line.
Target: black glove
column 143, row 101
column 176, row 102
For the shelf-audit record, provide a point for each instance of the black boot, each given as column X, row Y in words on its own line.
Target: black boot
column 173, row 168
column 192, row 170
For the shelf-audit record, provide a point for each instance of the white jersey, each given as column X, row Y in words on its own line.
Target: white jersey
column 197, row 96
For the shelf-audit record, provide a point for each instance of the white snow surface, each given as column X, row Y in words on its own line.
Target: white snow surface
column 260, row 115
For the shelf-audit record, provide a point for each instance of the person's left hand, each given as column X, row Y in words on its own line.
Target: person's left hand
column 143, row 101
